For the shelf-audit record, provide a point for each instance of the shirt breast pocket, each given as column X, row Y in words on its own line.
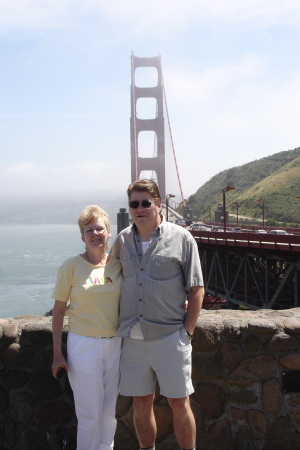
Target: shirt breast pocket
column 164, row 268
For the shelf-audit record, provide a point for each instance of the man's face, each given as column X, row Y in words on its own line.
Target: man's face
column 143, row 216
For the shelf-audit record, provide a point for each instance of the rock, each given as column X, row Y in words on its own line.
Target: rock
column 10, row 330
column 237, row 376
column 252, row 344
column 16, row 356
column 23, row 406
column 11, row 431
column 14, row 379
column 38, row 333
column 271, row 397
column 253, row 369
column 164, row 420
column 219, row 436
column 292, row 325
column 230, row 353
column 125, row 438
column 206, row 336
column 44, row 386
column 34, row 438
column 232, row 328
column 290, row 361
column 294, row 400
column 282, row 343
column 257, row 423
column 206, row 367
column 242, row 396
column 4, row 399
column 211, row 399
column 237, row 413
column 56, row 412
column 262, row 326
column 66, row 437
column 167, row 443
column 282, row 435
column 123, row 405
column 244, row 440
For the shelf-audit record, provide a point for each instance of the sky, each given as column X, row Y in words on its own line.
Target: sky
column 231, row 73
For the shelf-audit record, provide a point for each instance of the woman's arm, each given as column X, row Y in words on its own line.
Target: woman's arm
column 57, row 324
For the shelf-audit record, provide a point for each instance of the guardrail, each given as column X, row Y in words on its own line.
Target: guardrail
column 288, row 243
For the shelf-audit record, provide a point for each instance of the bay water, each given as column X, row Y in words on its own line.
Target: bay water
column 30, row 256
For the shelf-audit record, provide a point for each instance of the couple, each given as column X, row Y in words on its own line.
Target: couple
column 155, row 265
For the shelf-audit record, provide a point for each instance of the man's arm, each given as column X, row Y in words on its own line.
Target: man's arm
column 194, row 306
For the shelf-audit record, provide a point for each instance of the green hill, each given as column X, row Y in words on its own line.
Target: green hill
column 274, row 179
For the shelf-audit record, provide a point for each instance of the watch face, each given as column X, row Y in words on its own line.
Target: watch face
column 190, row 335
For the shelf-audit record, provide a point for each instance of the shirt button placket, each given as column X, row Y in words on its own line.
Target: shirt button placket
column 141, row 279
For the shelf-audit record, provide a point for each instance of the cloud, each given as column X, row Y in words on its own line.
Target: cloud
column 236, row 96
column 231, row 114
column 185, row 85
column 143, row 16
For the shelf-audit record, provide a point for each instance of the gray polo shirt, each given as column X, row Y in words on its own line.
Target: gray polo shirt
column 154, row 286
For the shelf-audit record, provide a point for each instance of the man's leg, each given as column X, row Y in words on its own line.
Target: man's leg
column 184, row 422
column 144, row 420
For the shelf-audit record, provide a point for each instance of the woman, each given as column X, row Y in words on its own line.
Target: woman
column 91, row 281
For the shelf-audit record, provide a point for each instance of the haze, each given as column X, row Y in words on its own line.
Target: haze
column 231, row 72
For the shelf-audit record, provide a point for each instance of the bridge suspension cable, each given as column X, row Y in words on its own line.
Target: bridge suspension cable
column 134, row 117
column 172, row 142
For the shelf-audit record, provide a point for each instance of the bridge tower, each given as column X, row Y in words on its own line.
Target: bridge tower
column 157, row 162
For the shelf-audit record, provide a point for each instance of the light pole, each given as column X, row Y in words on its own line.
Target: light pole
column 209, row 206
column 167, row 205
column 237, row 213
column 263, row 210
column 226, row 188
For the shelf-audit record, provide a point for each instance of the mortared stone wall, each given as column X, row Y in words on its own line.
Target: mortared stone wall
column 240, row 359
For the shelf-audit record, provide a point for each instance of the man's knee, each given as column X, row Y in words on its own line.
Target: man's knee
column 180, row 404
column 144, row 402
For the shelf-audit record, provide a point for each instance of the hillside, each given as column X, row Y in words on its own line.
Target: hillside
column 274, row 179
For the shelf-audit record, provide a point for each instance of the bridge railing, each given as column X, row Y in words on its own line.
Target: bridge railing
column 290, row 243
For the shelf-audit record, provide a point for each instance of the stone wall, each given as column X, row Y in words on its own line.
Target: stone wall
column 238, row 364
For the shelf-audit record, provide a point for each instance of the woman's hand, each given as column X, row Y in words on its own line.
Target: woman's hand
column 58, row 362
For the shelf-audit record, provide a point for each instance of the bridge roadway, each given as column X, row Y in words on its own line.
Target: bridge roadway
column 250, row 269
column 173, row 215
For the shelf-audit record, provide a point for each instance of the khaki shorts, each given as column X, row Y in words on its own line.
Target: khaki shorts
column 166, row 359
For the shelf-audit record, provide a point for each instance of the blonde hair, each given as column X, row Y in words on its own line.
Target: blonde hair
column 91, row 213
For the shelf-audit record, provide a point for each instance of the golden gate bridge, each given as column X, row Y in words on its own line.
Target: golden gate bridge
column 242, row 269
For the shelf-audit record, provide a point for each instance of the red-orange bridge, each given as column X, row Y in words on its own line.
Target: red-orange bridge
column 250, row 269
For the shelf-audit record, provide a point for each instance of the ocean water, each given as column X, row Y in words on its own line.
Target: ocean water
column 30, row 256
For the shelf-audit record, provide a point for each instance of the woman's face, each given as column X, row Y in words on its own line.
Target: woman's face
column 95, row 234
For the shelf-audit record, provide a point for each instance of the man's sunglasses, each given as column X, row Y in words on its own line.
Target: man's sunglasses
column 134, row 204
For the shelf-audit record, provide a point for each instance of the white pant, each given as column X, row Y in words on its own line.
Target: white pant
column 94, row 378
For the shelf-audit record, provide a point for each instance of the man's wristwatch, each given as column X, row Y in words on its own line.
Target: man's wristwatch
column 190, row 335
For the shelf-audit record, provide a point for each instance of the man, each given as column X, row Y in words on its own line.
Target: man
column 161, row 266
